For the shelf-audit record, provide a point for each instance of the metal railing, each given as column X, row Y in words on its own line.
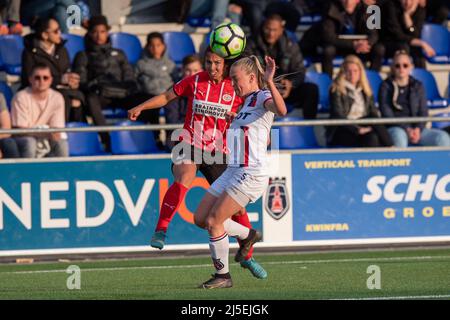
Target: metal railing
column 324, row 122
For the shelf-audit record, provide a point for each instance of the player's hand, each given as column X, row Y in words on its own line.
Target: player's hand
column 134, row 113
column 229, row 116
column 270, row 69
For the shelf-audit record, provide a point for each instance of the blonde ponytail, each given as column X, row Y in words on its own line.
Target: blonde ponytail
column 250, row 65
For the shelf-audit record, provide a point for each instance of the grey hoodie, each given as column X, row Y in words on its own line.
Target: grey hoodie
column 154, row 76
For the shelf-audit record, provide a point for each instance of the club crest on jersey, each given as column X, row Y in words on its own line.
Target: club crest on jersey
column 226, row 97
column 277, row 199
column 253, row 99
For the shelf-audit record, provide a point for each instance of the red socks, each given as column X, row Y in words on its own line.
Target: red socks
column 172, row 200
column 243, row 219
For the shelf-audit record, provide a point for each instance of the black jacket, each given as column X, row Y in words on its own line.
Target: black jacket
column 340, row 106
column 417, row 101
column 34, row 54
column 103, row 64
column 326, row 32
column 393, row 27
column 286, row 53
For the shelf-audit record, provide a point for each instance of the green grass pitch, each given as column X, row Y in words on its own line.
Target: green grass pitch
column 411, row 274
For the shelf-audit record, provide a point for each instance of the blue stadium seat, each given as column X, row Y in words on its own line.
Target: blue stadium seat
column 387, row 62
column 292, row 35
column 129, row 43
column 74, row 44
column 323, row 81
column 337, row 61
column 7, row 92
column 83, row 143
column 133, row 142
column 11, row 47
column 296, row 137
column 434, row 98
column 114, row 113
column 307, row 61
column 207, row 38
column 438, row 37
column 202, row 22
column 179, row 45
column 375, row 81
column 440, row 125
column 307, row 20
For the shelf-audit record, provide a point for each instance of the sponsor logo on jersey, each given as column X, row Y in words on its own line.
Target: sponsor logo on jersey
column 277, row 199
column 226, row 97
column 210, row 109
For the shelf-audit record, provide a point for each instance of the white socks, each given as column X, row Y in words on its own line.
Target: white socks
column 235, row 229
column 220, row 248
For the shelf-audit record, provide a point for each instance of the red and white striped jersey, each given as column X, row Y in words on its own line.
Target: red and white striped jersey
column 208, row 102
column 249, row 132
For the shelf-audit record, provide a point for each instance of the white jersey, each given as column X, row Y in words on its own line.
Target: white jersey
column 249, row 133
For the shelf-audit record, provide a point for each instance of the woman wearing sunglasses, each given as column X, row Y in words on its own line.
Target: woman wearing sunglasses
column 403, row 96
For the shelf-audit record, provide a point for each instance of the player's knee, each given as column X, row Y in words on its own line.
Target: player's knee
column 240, row 212
column 211, row 222
column 199, row 221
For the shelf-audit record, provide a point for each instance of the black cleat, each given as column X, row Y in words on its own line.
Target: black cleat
column 216, row 282
column 245, row 246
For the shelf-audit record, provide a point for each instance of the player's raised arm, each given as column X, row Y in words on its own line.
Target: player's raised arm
column 276, row 104
column 153, row 103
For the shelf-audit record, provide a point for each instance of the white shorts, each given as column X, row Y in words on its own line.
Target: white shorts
column 241, row 184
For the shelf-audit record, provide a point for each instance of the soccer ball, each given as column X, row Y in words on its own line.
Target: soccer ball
column 227, row 40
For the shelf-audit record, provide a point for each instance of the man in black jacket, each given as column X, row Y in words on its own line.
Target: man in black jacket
column 330, row 37
column 106, row 76
column 272, row 41
column 45, row 46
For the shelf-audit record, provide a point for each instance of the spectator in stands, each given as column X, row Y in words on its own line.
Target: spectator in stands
column 342, row 31
column 310, row 7
column 401, row 28
column 437, row 11
column 272, row 41
column 287, row 10
column 10, row 17
column 293, row 10
column 403, row 96
column 8, row 146
column 45, row 46
column 175, row 110
column 252, row 12
column 154, row 71
column 351, row 98
column 39, row 106
column 215, row 9
column 106, row 76
column 44, row 9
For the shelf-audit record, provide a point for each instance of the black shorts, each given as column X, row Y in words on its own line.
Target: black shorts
column 211, row 171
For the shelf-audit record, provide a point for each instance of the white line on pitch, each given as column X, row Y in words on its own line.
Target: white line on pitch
column 265, row 263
